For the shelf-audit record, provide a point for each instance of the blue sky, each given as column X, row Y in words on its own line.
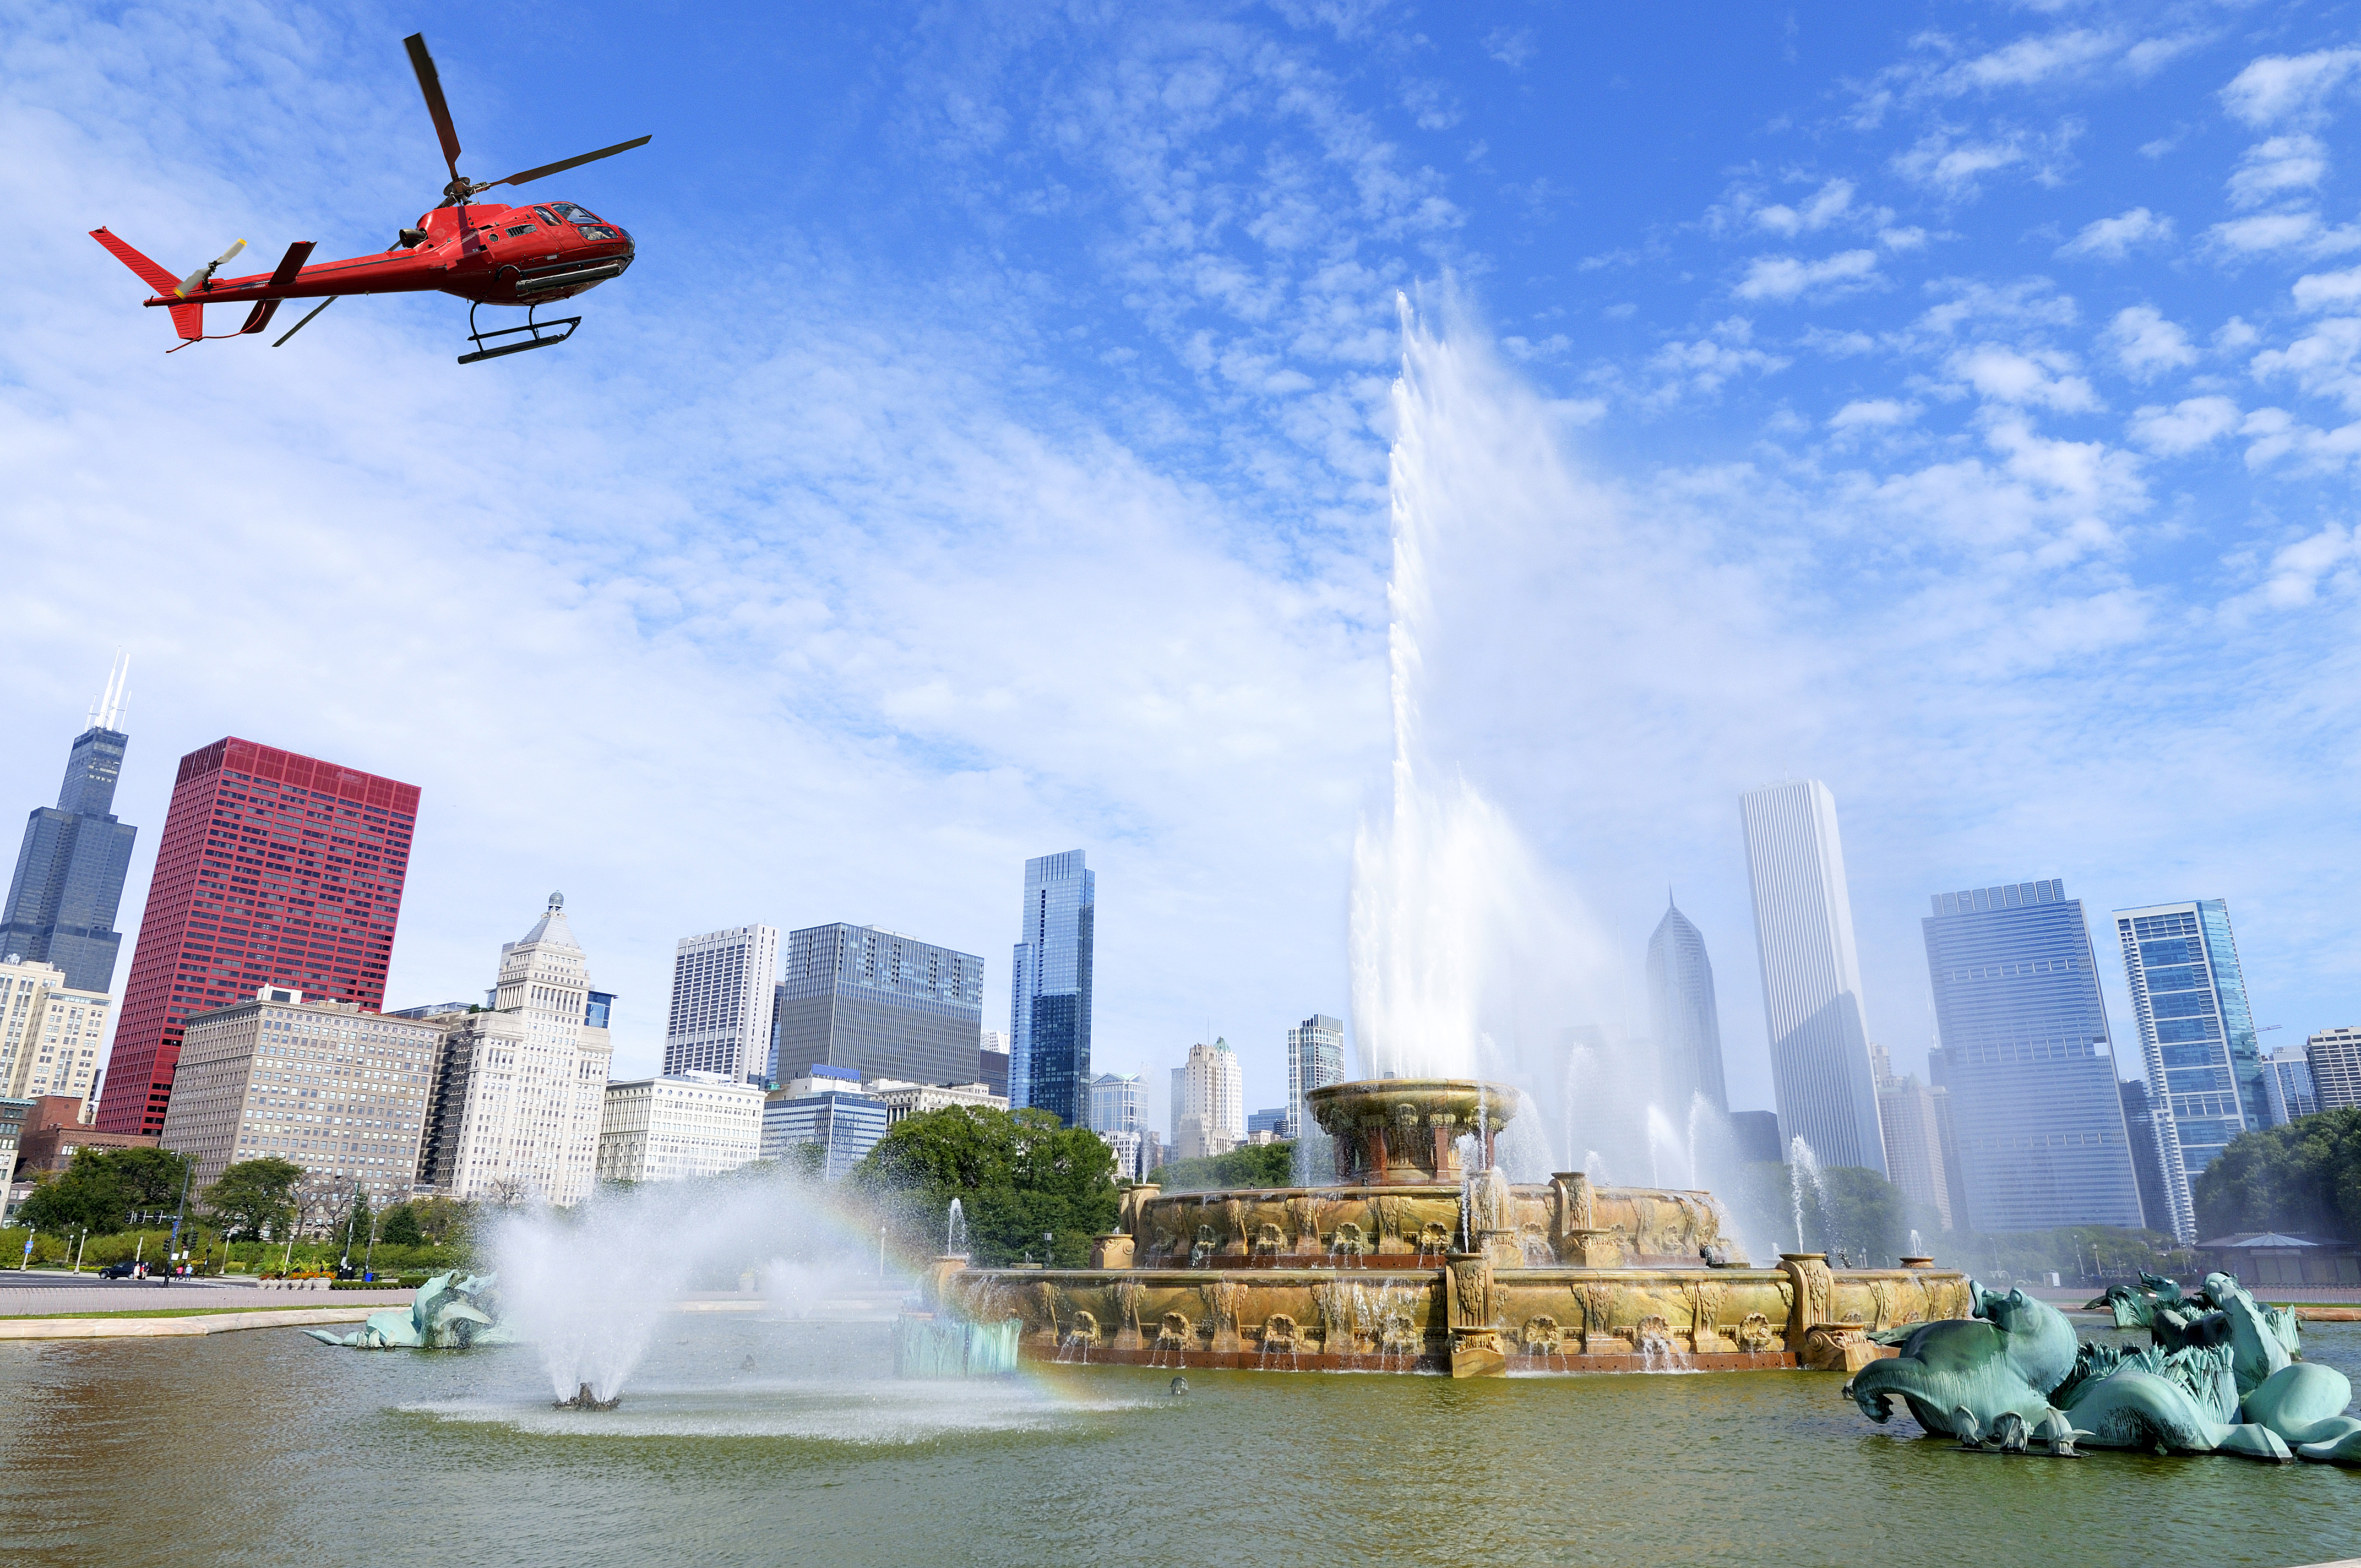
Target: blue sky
column 987, row 455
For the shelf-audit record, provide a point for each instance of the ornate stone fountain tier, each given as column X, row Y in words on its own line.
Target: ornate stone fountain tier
column 1404, row 1132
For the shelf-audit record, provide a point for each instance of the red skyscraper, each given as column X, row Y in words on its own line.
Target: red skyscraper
column 274, row 870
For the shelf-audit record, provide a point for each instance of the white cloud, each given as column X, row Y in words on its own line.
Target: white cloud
column 1903, row 239
column 2032, row 60
column 2274, row 434
column 2186, row 426
column 1873, row 413
column 1955, row 166
column 1701, row 367
column 2279, row 86
column 2319, row 291
column 2111, row 239
column 1825, row 206
column 2302, row 233
column 2270, row 170
column 2330, row 557
column 1512, row 46
column 2147, row 344
column 2039, row 376
column 1787, row 277
column 2322, row 361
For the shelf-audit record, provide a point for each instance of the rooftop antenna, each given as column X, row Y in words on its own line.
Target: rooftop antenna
column 106, row 713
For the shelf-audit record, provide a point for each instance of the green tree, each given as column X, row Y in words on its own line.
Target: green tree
column 428, row 1222
column 254, row 1195
column 103, row 1187
column 1853, row 1209
column 1252, row 1165
column 1017, row 1174
column 2303, row 1178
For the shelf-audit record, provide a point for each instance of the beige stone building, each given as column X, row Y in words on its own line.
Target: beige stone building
column 520, row 1089
column 49, row 1033
column 914, row 1099
column 323, row 1085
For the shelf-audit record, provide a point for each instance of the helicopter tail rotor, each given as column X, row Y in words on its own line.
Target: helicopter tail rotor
column 205, row 275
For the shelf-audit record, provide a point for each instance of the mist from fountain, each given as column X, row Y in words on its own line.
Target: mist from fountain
column 955, row 1238
column 587, row 1288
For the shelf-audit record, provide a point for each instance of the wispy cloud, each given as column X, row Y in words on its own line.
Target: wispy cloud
column 2270, row 170
column 2186, row 426
column 1789, row 277
column 2112, row 239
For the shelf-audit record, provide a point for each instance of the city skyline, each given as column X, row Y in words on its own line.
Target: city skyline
column 1148, row 1059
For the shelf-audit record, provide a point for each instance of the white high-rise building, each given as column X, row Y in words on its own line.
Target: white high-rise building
column 1209, row 1103
column 2334, row 1058
column 677, row 1126
column 520, row 1091
column 722, row 987
column 48, row 1032
column 1315, row 1058
column 2287, row 1085
column 1811, row 977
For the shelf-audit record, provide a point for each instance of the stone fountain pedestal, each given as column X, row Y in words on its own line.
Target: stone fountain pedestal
column 1413, row 1264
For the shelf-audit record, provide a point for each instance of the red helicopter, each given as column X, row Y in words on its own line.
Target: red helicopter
column 486, row 253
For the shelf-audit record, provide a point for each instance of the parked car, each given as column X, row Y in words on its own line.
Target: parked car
column 117, row 1271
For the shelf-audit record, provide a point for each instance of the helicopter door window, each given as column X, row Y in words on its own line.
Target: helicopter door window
column 545, row 215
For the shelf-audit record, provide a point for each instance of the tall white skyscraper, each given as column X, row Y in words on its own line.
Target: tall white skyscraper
column 1315, row 1058
column 520, row 1090
column 1209, row 1103
column 722, row 984
column 1811, row 977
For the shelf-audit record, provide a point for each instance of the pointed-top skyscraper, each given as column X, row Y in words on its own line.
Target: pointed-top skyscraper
column 69, row 880
column 1682, row 1015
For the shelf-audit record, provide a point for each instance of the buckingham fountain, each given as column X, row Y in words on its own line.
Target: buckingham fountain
column 1425, row 1257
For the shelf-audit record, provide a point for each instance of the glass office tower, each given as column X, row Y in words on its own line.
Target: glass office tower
column 1811, row 977
column 1683, row 1016
column 1049, row 992
column 878, row 1003
column 68, row 884
column 2204, row 1072
column 2026, row 1056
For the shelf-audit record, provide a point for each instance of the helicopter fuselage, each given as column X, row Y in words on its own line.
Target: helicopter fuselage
column 484, row 252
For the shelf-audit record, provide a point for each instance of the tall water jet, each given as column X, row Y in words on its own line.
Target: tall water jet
column 1449, row 905
column 1803, row 1169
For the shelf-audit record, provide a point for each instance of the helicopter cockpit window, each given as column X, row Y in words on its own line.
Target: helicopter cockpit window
column 568, row 212
column 597, row 231
column 545, row 215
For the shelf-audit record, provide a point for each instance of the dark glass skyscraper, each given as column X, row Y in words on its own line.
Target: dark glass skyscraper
column 1684, row 1017
column 1049, row 992
column 878, row 1003
column 2035, row 1110
column 69, row 879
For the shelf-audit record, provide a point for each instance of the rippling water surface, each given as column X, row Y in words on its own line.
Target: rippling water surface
column 748, row 1442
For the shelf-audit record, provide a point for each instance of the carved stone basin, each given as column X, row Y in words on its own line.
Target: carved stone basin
column 1403, row 1132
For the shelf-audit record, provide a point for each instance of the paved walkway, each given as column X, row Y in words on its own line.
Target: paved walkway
column 21, row 1296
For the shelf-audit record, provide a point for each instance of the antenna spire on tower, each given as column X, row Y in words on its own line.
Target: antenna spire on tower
column 106, row 713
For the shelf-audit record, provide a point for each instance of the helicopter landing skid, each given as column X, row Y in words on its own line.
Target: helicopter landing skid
column 544, row 335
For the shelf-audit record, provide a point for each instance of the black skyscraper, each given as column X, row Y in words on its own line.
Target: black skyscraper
column 68, row 880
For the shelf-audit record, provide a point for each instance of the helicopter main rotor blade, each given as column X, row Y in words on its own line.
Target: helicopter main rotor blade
column 432, row 85
column 570, row 163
